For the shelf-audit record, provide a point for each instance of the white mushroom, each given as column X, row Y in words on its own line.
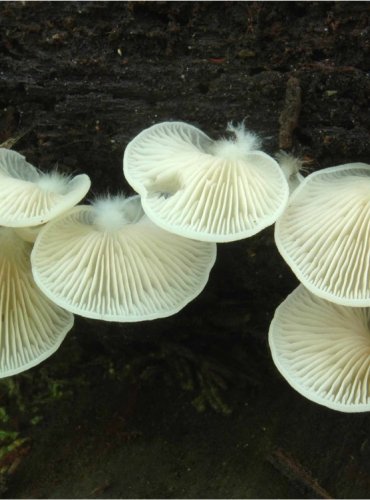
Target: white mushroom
column 323, row 350
column 29, row 233
column 324, row 234
column 109, row 261
column 208, row 190
column 29, row 197
column 31, row 326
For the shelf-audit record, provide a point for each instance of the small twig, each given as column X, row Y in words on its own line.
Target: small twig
column 293, row 470
column 289, row 116
column 9, row 143
column 320, row 66
column 100, row 489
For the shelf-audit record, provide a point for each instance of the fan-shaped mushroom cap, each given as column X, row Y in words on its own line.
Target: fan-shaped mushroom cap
column 323, row 350
column 29, row 197
column 109, row 261
column 31, row 326
column 203, row 189
column 324, row 234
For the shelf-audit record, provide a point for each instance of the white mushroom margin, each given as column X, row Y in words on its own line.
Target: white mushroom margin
column 324, row 234
column 323, row 350
column 31, row 327
column 29, row 197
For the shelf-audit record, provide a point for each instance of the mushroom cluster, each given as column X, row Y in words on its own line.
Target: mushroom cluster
column 124, row 258
column 320, row 335
column 146, row 256
column 32, row 326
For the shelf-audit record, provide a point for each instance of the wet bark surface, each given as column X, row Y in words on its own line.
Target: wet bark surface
column 77, row 82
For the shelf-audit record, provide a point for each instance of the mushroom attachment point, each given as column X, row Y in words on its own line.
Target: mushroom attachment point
column 29, row 197
column 199, row 188
column 29, row 233
column 291, row 167
column 108, row 261
column 31, row 327
column 323, row 350
column 324, row 234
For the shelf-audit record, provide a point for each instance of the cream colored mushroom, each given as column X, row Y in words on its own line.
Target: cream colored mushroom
column 291, row 167
column 109, row 261
column 208, row 190
column 324, row 234
column 29, row 197
column 29, row 233
column 31, row 326
column 323, row 350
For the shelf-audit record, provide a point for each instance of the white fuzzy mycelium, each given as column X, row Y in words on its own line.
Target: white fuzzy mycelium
column 292, row 167
column 112, row 213
column 238, row 146
column 54, row 182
